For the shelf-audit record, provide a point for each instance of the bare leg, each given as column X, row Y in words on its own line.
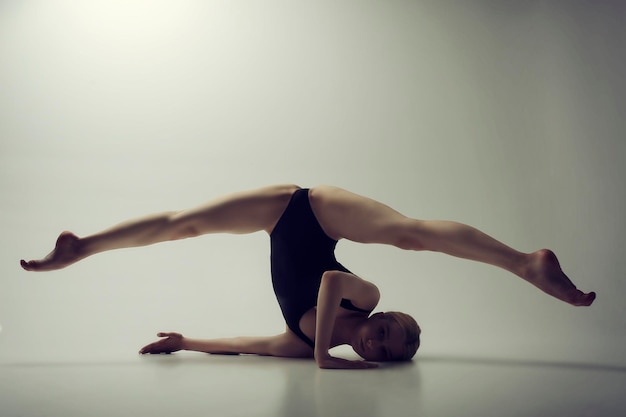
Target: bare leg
column 343, row 214
column 243, row 212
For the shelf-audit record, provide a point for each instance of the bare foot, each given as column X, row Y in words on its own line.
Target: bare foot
column 66, row 252
column 544, row 271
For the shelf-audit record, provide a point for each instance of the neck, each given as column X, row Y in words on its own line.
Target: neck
column 346, row 328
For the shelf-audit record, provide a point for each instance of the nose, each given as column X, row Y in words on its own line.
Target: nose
column 372, row 344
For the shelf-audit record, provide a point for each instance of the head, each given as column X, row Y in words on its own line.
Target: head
column 391, row 336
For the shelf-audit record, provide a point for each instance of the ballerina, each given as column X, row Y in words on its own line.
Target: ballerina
column 323, row 303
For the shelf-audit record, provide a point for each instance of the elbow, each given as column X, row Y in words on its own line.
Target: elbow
column 331, row 279
column 365, row 294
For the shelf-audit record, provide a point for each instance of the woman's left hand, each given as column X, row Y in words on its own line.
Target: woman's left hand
column 330, row 362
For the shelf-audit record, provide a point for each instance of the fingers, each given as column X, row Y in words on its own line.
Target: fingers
column 339, row 363
column 367, row 365
column 357, row 365
column 146, row 349
column 154, row 349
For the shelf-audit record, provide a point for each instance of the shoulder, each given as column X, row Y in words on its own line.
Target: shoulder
column 363, row 294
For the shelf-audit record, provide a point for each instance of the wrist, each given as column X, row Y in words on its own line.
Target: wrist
column 320, row 354
column 185, row 344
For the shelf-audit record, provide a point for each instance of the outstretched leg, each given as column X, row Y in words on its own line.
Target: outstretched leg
column 343, row 214
column 243, row 212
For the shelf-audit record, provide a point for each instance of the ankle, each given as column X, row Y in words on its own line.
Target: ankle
column 536, row 262
column 84, row 247
column 525, row 266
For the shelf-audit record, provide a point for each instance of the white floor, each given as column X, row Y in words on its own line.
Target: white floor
column 196, row 384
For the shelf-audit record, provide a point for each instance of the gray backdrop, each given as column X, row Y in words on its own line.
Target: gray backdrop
column 505, row 115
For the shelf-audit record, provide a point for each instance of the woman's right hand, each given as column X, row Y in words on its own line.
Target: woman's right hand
column 170, row 342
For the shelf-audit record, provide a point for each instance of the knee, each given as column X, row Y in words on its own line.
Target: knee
column 181, row 227
column 185, row 232
column 407, row 235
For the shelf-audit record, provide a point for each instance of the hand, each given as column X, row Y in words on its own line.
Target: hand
column 330, row 362
column 171, row 342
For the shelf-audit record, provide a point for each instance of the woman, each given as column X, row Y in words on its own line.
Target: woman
column 323, row 304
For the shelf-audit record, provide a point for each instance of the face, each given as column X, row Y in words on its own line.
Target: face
column 379, row 339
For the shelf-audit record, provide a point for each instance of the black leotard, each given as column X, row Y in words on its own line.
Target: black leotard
column 301, row 253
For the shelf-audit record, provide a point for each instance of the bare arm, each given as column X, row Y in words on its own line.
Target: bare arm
column 285, row 345
column 336, row 285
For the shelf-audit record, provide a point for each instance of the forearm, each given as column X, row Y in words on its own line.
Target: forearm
column 334, row 286
column 329, row 298
column 234, row 345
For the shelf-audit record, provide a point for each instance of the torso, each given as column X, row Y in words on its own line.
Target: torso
column 301, row 253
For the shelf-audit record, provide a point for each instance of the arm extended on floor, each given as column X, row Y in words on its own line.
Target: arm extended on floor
column 281, row 345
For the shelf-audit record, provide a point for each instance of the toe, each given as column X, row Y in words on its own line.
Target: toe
column 590, row 298
column 27, row 265
column 585, row 299
column 34, row 265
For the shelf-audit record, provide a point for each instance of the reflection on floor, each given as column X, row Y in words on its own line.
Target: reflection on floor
column 187, row 384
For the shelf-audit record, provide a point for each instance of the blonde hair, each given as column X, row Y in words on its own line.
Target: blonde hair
column 411, row 330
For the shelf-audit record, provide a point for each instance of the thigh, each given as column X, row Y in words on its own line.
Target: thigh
column 343, row 214
column 241, row 212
